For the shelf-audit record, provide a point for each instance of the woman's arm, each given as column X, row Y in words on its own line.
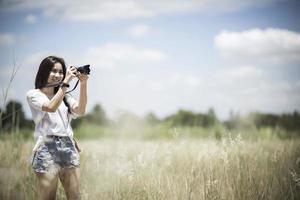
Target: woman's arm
column 80, row 108
column 53, row 104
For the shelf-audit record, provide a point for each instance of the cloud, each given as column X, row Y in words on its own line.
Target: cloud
column 104, row 10
column 140, row 30
column 243, row 89
column 112, row 55
column 248, row 88
column 26, row 67
column 242, row 75
column 31, row 19
column 275, row 45
column 7, row 39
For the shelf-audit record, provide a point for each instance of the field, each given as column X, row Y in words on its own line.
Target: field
column 174, row 168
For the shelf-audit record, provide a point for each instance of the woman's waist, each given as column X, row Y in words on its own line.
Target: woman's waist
column 48, row 134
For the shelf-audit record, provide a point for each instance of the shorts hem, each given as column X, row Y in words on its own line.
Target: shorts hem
column 61, row 168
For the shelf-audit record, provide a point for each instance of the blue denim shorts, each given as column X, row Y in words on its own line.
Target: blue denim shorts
column 55, row 153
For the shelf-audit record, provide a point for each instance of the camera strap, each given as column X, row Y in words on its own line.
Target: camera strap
column 57, row 84
column 73, row 87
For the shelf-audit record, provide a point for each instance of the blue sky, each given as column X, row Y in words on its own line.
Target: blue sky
column 161, row 56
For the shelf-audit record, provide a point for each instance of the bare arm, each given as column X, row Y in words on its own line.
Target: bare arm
column 53, row 104
column 80, row 108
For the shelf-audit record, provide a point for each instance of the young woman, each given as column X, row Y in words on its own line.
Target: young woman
column 56, row 153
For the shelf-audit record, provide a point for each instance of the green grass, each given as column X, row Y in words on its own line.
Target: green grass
column 163, row 131
column 178, row 167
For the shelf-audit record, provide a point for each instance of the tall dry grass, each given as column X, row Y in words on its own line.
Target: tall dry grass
column 167, row 169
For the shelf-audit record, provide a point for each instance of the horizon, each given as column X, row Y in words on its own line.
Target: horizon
column 119, row 113
column 161, row 56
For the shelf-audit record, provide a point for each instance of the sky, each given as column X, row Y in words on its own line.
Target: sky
column 160, row 56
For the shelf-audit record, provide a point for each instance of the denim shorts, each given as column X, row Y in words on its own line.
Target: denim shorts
column 55, row 153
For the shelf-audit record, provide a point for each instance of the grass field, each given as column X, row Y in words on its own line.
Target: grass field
column 179, row 168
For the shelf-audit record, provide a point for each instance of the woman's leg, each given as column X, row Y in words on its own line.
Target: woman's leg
column 46, row 186
column 70, row 179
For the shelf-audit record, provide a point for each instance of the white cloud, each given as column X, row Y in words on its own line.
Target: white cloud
column 186, row 80
column 31, row 19
column 139, row 30
column 248, row 89
column 243, row 89
column 104, row 10
column 77, row 10
column 275, row 45
column 120, row 72
column 35, row 59
column 7, row 39
column 242, row 75
column 113, row 55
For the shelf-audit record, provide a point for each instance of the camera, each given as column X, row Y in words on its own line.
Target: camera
column 84, row 69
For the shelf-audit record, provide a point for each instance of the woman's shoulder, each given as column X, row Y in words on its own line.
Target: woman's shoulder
column 33, row 92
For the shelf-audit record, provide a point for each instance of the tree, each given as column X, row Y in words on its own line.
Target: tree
column 261, row 120
column 151, row 118
column 188, row 118
column 290, row 121
column 97, row 116
column 13, row 117
column 210, row 118
column 234, row 121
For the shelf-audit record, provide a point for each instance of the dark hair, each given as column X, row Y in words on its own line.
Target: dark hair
column 43, row 73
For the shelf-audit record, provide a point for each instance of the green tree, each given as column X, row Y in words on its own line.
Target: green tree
column 151, row 118
column 188, row 118
column 261, row 120
column 210, row 119
column 97, row 116
column 235, row 121
column 290, row 121
column 14, row 118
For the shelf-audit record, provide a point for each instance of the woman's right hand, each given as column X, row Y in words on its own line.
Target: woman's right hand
column 70, row 74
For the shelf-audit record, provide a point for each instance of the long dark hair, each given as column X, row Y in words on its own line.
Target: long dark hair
column 43, row 73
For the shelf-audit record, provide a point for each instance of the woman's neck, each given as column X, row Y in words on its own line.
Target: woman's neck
column 49, row 91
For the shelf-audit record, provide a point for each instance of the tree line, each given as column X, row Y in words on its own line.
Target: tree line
column 13, row 119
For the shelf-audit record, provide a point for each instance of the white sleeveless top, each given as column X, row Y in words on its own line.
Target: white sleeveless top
column 50, row 123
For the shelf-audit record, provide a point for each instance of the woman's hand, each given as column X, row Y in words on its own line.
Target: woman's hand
column 70, row 74
column 82, row 77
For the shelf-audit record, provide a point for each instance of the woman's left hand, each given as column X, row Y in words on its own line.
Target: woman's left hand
column 82, row 77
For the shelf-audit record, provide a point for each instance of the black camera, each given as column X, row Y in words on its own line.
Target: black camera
column 84, row 69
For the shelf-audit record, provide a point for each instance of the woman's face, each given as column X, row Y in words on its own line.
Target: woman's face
column 56, row 74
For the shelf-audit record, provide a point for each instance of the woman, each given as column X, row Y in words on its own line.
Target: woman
column 56, row 153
